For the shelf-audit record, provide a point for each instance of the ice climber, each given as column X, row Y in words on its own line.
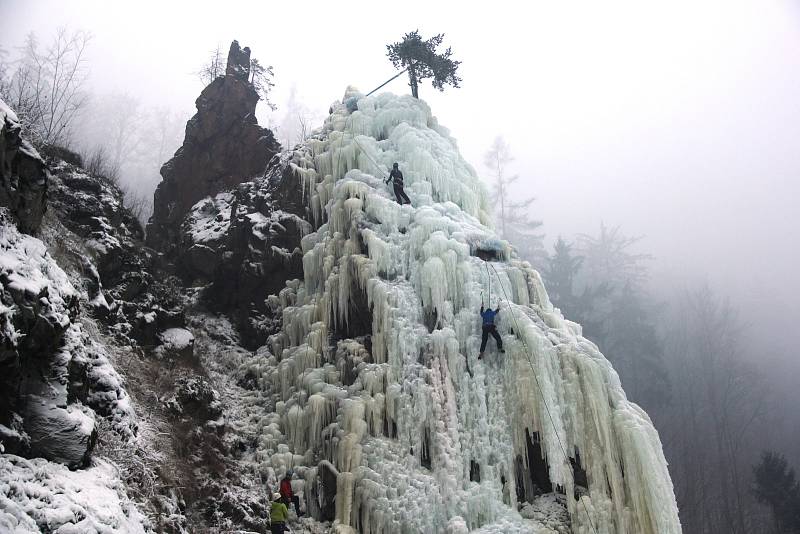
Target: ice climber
column 288, row 495
column 396, row 177
column 278, row 514
column 489, row 328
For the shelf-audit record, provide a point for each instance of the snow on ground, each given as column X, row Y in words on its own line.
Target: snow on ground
column 210, row 218
column 40, row 496
column 394, row 414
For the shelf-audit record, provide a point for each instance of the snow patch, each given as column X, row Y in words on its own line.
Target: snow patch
column 40, row 496
column 176, row 338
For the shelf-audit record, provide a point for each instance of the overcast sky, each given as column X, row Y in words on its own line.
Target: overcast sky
column 679, row 121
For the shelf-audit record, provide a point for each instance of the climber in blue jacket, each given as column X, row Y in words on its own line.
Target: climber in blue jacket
column 489, row 328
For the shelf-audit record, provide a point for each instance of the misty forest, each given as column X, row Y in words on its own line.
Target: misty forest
column 358, row 268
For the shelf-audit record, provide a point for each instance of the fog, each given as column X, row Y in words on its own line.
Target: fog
column 679, row 122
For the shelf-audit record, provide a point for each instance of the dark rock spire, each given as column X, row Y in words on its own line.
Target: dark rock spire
column 224, row 146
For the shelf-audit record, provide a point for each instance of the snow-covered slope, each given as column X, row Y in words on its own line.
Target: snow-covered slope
column 40, row 496
column 375, row 401
column 58, row 385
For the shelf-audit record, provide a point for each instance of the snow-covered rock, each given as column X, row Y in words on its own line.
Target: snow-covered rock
column 196, row 397
column 23, row 175
column 99, row 243
column 246, row 243
column 176, row 343
column 55, row 377
column 224, row 146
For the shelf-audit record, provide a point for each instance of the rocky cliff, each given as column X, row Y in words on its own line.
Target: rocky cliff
column 78, row 298
column 23, row 176
column 244, row 244
column 314, row 325
column 224, row 146
column 56, row 380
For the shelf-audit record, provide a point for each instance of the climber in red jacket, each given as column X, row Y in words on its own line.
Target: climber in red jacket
column 287, row 493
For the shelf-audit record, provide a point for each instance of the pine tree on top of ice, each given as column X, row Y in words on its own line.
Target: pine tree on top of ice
column 421, row 61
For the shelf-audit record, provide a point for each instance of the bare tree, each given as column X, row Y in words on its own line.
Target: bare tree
column 139, row 203
column 214, row 67
column 47, row 87
column 121, row 129
column 166, row 129
column 96, row 161
column 514, row 215
column 5, row 72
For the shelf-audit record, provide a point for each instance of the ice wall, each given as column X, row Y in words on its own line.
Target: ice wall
column 371, row 364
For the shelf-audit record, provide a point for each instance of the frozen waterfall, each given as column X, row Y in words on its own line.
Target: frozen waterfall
column 376, row 408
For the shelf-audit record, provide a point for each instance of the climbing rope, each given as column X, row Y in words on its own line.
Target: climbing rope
column 539, row 386
column 369, row 157
column 387, row 81
column 489, row 277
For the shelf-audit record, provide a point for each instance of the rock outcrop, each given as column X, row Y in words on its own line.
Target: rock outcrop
column 224, row 146
column 54, row 378
column 238, row 64
column 23, row 175
column 246, row 243
column 120, row 277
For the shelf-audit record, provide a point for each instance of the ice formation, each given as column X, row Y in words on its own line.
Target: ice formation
column 376, row 403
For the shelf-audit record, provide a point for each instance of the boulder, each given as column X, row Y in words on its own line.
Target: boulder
column 196, row 398
column 64, row 435
column 176, row 343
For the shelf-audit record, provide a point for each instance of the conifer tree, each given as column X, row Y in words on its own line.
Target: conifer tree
column 776, row 486
column 617, row 313
column 422, row 61
column 512, row 213
column 561, row 275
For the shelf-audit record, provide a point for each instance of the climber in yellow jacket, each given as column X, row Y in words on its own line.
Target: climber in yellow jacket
column 278, row 514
